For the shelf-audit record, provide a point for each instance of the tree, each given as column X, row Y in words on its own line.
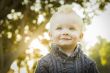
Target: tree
column 100, row 53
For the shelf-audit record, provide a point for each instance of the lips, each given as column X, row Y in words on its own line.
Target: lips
column 65, row 37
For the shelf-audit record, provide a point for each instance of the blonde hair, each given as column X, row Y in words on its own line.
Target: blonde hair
column 66, row 9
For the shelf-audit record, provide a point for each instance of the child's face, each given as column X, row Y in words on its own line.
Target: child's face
column 65, row 32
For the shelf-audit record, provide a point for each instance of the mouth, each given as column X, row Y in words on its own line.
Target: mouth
column 65, row 38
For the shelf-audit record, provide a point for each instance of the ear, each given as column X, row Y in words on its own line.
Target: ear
column 81, row 35
column 50, row 34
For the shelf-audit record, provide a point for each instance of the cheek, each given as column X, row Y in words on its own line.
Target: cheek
column 55, row 36
column 76, row 36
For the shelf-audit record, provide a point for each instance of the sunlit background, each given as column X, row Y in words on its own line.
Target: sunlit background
column 95, row 43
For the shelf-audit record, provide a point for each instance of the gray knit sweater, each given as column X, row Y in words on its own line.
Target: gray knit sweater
column 58, row 62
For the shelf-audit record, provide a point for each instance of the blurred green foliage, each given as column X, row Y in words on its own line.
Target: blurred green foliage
column 100, row 52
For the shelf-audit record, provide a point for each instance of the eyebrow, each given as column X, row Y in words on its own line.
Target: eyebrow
column 68, row 25
column 58, row 25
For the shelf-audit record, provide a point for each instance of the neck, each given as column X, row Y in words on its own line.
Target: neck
column 68, row 49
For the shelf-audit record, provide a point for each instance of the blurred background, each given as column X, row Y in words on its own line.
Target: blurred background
column 24, row 35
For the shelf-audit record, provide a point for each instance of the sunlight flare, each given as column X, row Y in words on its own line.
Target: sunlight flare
column 36, row 44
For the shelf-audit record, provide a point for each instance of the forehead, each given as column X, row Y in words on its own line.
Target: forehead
column 65, row 19
column 66, row 25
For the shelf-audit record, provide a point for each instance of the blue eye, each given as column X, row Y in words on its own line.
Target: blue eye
column 59, row 28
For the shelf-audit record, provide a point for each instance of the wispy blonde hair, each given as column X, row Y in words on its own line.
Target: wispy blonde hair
column 66, row 9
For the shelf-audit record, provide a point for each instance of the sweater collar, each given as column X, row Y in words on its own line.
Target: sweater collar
column 55, row 49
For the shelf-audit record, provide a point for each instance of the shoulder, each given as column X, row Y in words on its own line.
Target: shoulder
column 43, row 62
column 45, row 59
column 87, row 60
column 90, row 65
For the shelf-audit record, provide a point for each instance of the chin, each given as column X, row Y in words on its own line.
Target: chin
column 65, row 44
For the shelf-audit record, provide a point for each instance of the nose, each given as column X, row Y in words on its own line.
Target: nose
column 65, row 33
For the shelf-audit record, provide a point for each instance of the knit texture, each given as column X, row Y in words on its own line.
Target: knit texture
column 58, row 62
